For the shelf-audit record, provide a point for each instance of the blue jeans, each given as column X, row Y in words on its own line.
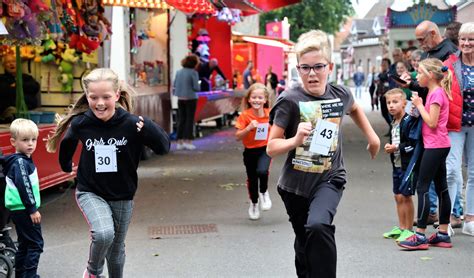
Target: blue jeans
column 462, row 141
column 358, row 91
column 108, row 224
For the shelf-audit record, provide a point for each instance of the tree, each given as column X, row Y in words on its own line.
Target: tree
column 325, row 15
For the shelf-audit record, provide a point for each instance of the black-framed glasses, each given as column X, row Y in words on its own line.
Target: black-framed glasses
column 306, row 69
column 421, row 40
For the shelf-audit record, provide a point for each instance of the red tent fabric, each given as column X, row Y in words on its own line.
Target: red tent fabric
column 193, row 6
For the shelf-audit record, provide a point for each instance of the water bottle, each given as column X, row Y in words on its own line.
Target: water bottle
column 414, row 111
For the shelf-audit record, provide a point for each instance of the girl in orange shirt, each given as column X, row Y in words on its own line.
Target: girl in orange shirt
column 253, row 129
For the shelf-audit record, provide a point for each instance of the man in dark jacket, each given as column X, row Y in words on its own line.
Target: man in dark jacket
column 31, row 90
column 205, row 70
column 434, row 46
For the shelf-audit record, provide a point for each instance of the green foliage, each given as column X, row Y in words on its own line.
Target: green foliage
column 325, row 15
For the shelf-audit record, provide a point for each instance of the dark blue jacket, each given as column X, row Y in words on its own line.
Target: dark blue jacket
column 412, row 128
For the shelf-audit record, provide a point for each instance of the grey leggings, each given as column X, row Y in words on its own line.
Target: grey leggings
column 108, row 224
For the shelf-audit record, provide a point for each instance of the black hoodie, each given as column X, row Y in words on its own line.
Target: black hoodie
column 21, row 175
column 121, row 130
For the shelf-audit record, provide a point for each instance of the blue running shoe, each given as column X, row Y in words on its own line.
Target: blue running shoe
column 415, row 242
column 440, row 240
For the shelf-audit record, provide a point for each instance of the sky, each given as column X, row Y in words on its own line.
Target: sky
column 363, row 6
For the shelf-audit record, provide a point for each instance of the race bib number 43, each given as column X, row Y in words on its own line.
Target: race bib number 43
column 323, row 137
column 105, row 158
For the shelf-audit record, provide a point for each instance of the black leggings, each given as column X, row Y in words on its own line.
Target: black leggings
column 186, row 111
column 433, row 168
column 257, row 163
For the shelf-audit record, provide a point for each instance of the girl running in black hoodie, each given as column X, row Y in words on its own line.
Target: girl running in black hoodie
column 112, row 140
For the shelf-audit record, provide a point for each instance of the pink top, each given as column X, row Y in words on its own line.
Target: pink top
column 435, row 138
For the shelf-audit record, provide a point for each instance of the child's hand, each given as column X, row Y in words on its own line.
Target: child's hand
column 390, row 148
column 416, row 100
column 35, row 217
column 140, row 123
column 304, row 129
column 374, row 146
column 252, row 125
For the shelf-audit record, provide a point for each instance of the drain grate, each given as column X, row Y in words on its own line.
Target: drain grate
column 182, row 229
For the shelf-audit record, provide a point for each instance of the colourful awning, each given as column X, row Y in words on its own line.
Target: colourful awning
column 193, row 6
column 145, row 4
column 249, row 7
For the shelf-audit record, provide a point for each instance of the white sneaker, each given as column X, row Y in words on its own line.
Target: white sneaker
column 254, row 211
column 468, row 228
column 180, row 146
column 265, row 201
column 189, row 146
column 450, row 230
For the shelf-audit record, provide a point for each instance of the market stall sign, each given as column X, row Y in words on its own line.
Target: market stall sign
column 415, row 14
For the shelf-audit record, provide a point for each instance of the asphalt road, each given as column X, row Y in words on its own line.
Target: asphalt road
column 190, row 220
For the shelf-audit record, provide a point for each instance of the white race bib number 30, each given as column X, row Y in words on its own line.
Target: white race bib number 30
column 262, row 132
column 323, row 137
column 105, row 158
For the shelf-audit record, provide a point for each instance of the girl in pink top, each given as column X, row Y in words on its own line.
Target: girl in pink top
column 436, row 77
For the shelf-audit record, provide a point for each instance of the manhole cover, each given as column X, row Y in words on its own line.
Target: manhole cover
column 182, row 229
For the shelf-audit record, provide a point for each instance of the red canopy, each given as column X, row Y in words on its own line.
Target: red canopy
column 249, row 7
column 193, row 6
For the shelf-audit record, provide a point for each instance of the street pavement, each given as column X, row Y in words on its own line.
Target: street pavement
column 190, row 220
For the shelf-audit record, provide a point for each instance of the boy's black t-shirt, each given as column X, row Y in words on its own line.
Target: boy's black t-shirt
column 303, row 169
column 96, row 171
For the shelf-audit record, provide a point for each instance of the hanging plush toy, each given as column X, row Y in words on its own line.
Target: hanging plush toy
column 82, row 43
column 66, row 78
column 200, row 45
column 27, row 52
column 48, row 54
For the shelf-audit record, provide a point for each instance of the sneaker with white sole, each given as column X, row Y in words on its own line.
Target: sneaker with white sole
column 189, row 146
column 265, row 201
column 468, row 228
column 88, row 275
column 254, row 211
column 179, row 146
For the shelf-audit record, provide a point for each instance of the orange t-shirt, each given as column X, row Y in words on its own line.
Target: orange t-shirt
column 244, row 120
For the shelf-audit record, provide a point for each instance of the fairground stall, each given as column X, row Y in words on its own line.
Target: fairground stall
column 211, row 37
column 53, row 43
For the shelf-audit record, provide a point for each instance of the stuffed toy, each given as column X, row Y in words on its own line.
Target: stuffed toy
column 49, row 46
column 38, row 53
column 16, row 9
column 66, row 78
column 27, row 52
column 90, row 16
column 83, row 43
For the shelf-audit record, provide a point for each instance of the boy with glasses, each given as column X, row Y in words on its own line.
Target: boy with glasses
column 306, row 125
